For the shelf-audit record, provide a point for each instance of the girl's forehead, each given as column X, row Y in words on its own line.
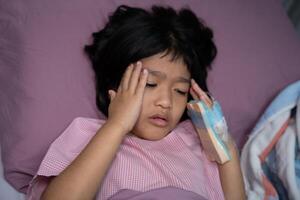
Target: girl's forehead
column 162, row 75
column 164, row 66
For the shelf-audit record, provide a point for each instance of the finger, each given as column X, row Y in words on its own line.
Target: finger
column 196, row 88
column 135, row 77
column 200, row 93
column 189, row 106
column 193, row 93
column 142, row 82
column 112, row 94
column 206, row 100
column 126, row 77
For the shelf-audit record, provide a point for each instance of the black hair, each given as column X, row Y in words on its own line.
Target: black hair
column 133, row 33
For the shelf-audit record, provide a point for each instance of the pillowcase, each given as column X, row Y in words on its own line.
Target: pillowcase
column 46, row 80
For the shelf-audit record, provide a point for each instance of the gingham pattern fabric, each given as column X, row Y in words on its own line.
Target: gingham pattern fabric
column 177, row 160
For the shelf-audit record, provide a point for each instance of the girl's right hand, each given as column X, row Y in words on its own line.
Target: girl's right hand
column 125, row 104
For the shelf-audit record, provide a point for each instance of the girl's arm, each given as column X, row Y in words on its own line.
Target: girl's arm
column 83, row 177
column 231, row 176
column 230, row 172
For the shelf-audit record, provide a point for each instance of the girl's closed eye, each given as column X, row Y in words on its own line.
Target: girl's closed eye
column 181, row 92
column 151, row 84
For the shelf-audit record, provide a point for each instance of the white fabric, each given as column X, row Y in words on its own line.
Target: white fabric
column 285, row 157
column 250, row 162
column 7, row 192
column 261, row 136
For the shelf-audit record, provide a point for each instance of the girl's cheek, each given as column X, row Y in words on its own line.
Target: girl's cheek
column 147, row 96
column 181, row 102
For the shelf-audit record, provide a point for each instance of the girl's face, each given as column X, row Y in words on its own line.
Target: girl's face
column 165, row 96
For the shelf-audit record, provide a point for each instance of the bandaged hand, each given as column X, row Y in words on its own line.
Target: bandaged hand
column 208, row 119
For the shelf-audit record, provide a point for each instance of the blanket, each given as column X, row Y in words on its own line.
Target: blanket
column 270, row 157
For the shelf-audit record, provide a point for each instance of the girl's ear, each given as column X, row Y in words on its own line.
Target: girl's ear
column 111, row 94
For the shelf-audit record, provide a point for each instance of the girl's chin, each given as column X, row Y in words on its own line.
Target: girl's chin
column 151, row 135
column 149, row 131
column 150, row 138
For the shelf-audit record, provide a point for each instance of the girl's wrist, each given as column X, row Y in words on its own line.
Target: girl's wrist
column 232, row 145
column 116, row 127
column 233, row 150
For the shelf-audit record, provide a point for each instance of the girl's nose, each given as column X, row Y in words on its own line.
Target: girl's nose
column 164, row 99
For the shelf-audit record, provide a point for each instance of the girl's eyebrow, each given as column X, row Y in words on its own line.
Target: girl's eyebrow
column 163, row 76
column 183, row 80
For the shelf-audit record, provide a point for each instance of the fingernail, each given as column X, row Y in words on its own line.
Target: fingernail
column 145, row 71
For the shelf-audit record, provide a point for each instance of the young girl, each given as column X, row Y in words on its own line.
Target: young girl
column 148, row 65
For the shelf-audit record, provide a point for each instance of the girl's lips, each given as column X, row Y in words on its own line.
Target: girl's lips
column 158, row 121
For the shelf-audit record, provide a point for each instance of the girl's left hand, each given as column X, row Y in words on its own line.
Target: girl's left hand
column 198, row 94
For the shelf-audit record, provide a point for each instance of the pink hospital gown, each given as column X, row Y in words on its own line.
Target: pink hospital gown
column 177, row 160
